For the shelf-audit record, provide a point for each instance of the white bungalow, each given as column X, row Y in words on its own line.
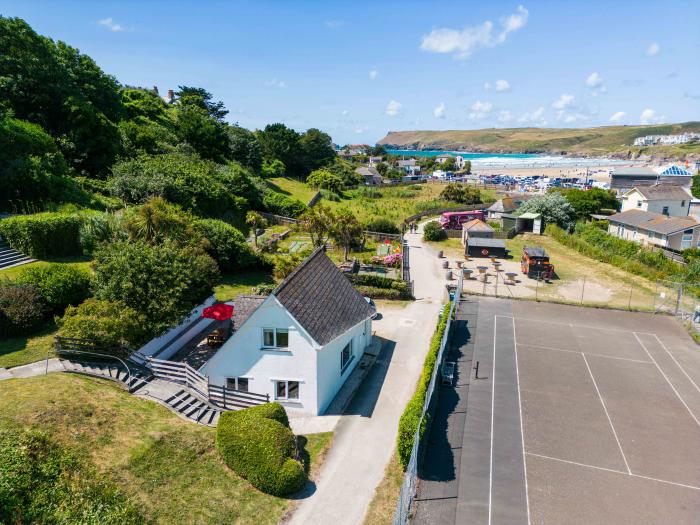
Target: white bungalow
column 300, row 343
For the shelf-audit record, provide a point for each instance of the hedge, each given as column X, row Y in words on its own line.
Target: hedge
column 434, row 232
column 411, row 417
column 282, row 205
column 259, row 446
column 60, row 285
column 43, row 235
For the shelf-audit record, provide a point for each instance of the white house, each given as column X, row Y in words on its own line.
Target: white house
column 300, row 343
column 459, row 160
column 645, row 227
column 665, row 199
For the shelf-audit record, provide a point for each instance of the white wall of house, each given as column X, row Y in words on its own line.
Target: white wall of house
column 677, row 241
column 243, row 355
column 634, row 200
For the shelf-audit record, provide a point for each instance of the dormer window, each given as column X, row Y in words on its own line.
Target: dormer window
column 275, row 338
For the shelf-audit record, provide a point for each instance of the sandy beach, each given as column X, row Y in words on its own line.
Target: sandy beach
column 598, row 173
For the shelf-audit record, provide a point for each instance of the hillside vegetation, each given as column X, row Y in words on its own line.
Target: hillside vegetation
column 605, row 140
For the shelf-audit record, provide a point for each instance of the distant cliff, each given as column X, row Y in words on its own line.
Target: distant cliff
column 602, row 141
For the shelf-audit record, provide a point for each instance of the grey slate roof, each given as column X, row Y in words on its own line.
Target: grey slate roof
column 368, row 171
column 658, row 192
column 653, row 222
column 634, row 172
column 486, row 242
column 505, row 205
column 243, row 307
column 322, row 299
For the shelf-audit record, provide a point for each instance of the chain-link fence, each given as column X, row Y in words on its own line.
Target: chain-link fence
column 410, row 481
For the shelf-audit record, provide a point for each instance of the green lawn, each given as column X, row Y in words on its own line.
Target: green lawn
column 20, row 350
column 80, row 262
column 232, row 285
column 168, row 466
column 292, row 188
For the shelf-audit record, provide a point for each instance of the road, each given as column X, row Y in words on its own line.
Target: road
column 366, row 434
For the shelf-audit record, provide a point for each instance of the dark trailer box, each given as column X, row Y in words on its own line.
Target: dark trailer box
column 481, row 247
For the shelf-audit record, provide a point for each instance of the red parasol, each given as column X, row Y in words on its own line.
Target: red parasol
column 219, row 311
column 387, row 241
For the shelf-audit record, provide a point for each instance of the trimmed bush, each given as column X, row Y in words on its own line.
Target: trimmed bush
column 378, row 287
column 282, row 205
column 434, row 232
column 43, row 235
column 259, row 446
column 60, row 285
column 410, row 419
column 227, row 245
column 41, row 482
column 109, row 323
column 21, row 309
column 381, row 293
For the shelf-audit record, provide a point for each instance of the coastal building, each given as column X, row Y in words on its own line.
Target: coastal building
column 371, row 175
column 409, row 166
column 665, row 199
column 501, row 206
column 650, row 140
column 476, row 228
column 459, row 160
column 624, row 179
column 645, row 227
column 373, row 161
column 300, row 343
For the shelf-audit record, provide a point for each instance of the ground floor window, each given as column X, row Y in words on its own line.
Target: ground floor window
column 345, row 356
column 687, row 239
column 237, row 383
column 286, row 389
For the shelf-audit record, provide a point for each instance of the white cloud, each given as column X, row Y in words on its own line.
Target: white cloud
column 393, row 108
column 276, row 83
column 535, row 117
column 462, row 43
column 111, row 25
column 332, row 24
column 563, row 102
column 618, row 116
column 648, row 116
column 505, row 116
column 480, row 110
column 594, row 80
column 439, row 111
column 502, row 85
column 653, row 49
column 373, row 74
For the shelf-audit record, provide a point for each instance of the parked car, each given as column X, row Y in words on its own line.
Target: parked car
column 448, row 373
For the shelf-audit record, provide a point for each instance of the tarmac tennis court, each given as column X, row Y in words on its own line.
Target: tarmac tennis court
column 579, row 415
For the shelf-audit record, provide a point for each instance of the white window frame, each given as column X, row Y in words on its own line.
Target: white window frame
column 286, row 389
column 236, row 383
column 687, row 239
column 275, row 344
column 344, row 366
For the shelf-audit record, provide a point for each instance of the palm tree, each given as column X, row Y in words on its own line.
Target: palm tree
column 346, row 231
column 256, row 222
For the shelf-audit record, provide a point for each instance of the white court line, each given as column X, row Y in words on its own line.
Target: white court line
column 587, row 353
column 522, row 434
column 677, row 363
column 572, row 325
column 668, row 381
column 614, row 471
column 493, row 400
column 606, row 413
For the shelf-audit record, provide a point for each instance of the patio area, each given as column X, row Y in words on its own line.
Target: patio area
column 204, row 344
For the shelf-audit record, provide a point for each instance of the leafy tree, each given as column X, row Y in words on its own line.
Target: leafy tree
column 467, row 167
column 204, row 133
column 65, row 92
column 60, row 285
column 450, row 164
column 285, row 264
column 274, row 168
column 382, row 168
column 432, row 231
column 586, row 202
column 143, row 103
column 554, row 207
column 201, row 98
column 21, row 309
column 256, row 222
column 316, row 149
column 378, row 150
column 461, row 193
column 381, row 225
column 161, row 282
column 226, row 245
column 243, row 147
column 346, row 171
column 105, row 322
column 143, row 136
column 318, row 222
column 282, row 143
column 346, row 231
column 324, row 179
column 157, row 221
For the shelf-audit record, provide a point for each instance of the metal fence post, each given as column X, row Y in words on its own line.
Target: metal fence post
column 583, row 289
column 629, row 301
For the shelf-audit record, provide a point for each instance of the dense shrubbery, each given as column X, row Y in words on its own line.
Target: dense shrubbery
column 432, row 231
column 379, row 287
column 60, row 285
column 40, row 482
column 282, row 205
column 411, row 417
column 162, row 282
column 325, row 180
column 226, row 245
column 106, row 322
column 461, row 193
column 553, row 207
column 381, row 225
column 21, row 309
column 586, row 202
column 43, row 235
column 259, row 446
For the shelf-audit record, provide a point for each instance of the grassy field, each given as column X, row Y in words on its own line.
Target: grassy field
column 168, row 466
column 12, row 273
column 232, row 285
column 383, row 506
column 589, row 141
column 20, row 350
column 292, row 188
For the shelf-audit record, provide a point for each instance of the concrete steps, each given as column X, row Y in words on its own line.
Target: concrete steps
column 132, row 379
column 10, row 257
column 193, row 408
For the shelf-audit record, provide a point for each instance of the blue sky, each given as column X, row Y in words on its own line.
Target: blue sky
column 359, row 69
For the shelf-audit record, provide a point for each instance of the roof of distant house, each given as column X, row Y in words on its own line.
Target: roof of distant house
column 367, row 171
column 660, row 192
column 406, row 162
column 505, row 205
column 477, row 225
column 486, row 242
column 322, row 299
column 653, row 222
column 634, row 172
column 243, row 307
